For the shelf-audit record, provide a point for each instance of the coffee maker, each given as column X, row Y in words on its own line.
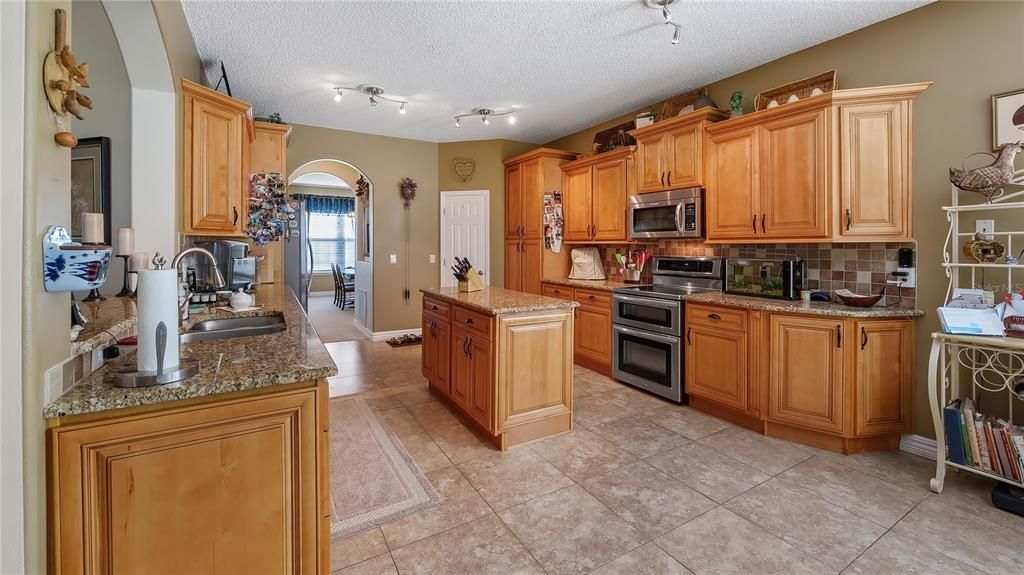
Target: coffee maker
column 234, row 261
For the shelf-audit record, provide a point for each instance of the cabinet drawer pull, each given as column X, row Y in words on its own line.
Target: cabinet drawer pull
column 469, row 321
column 688, row 341
column 762, row 225
column 849, row 218
column 863, row 338
column 753, row 223
column 714, row 316
column 433, row 308
column 670, row 177
column 591, row 298
column 663, row 179
column 839, row 335
column 234, row 220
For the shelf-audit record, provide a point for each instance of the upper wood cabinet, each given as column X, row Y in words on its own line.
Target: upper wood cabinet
column 217, row 134
column 513, row 201
column 670, row 152
column 834, row 166
column 595, row 193
column 269, row 154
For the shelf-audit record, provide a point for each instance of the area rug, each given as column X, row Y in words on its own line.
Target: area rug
column 374, row 480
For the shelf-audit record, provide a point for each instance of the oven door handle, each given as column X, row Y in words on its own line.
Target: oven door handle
column 667, row 304
column 669, row 339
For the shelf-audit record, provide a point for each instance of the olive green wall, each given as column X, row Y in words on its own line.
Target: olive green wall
column 966, row 49
column 489, row 156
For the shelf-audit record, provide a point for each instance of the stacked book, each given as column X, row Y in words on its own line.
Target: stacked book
column 985, row 443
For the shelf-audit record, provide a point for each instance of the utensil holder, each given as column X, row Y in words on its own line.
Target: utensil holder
column 631, row 276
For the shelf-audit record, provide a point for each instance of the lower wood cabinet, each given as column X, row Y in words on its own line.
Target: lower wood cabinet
column 472, row 377
column 436, row 356
column 885, row 358
column 232, row 486
column 716, row 365
column 806, row 385
column 593, row 345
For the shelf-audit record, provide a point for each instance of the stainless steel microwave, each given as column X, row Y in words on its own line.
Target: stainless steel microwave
column 671, row 214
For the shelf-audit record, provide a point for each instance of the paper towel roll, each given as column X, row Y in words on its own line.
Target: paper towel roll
column 158, row 302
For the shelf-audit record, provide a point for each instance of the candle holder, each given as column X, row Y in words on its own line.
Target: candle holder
column 126, row 290
column 135, row 292
column 94, row 293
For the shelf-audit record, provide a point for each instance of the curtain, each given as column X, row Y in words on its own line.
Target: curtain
column 332, row 205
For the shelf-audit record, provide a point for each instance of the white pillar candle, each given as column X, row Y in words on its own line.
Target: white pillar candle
column 125, row 241
column 92, row 228
column 138, row 261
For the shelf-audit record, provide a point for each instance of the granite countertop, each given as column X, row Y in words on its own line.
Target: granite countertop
column 499, row 301
column 115, row 314
column 228, row 365
column 603, row 285
column 813, row 308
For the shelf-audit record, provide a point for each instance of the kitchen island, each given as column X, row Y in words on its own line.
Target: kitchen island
column 502, row 359
column 164, row 478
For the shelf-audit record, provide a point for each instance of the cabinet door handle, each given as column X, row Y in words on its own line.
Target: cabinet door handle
column 591, row 298
column 469, row 349
column 465, row 347
column 849, row 218
column 714, row 316
column 688, row 340
column 469, row 321
column 762, row 225
column 234, row 220
column 863, row 338
column 839, row 335
column 753, row 223
column 670, row 177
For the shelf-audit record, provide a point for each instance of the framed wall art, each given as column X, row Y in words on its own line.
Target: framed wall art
column 90, row 183
column 1007, row 118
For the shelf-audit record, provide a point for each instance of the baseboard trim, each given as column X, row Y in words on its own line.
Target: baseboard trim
column 362, row 329
column 383, row 335
column 918, row 445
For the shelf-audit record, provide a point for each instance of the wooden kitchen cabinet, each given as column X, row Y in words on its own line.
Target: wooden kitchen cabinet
column 794, row 198
column 269, row 154
column 734, row 185
column 217, row 133
column 462, row 372
column 670, row 153
column 436, row 355
column 806, row 384
column 172, row 490
column 595, row 195
column 593, row 346
column 716, row 355
column 528, row 177
column 883, row 377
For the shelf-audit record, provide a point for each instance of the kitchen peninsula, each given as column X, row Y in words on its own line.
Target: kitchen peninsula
column 503, row 359
column 129, row 466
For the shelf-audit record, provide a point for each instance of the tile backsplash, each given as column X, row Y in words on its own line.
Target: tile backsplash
column 859, row 267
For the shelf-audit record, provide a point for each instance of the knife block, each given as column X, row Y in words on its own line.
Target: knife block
column 472, row 283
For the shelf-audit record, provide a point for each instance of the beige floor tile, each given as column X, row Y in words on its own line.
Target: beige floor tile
column 828, row 533
column 582, row 454
column 383, row 401
column 459, row 443
column 968, row 538
column 570, row 532
column 483, row 547
column 379, row 565
column 641, row 400
column 507, row 479
column 647, row 499
column 906, row 470
column 897, row 555
column 339, row 385
column 433, row 414
column 599, row 408
column 708, row 471
column 646, row 560
column 400, row 421
column 687, row 421
column 638, row 435
column 419, row 395
column 462, row 504
column 964, row 492
column 427, row 455
column 357, row 548
column 586, row 382
column 878, row 501
column 767, row 454
column 722, row 542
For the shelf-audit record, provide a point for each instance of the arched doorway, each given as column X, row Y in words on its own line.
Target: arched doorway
column 332, row 177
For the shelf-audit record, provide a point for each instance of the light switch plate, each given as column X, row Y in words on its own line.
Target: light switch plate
column 393, row 258
column 433, row 259
column 985, row 227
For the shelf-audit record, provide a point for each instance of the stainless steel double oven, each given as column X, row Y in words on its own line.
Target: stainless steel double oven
column 647, row 323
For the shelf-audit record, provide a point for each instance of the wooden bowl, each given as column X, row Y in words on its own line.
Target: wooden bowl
column 857, row 300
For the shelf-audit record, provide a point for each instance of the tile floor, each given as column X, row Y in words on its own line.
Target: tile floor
column 646, row 486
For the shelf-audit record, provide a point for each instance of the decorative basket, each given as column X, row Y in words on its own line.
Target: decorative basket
column 858, row 300
column 826, row 82
column 671, row 107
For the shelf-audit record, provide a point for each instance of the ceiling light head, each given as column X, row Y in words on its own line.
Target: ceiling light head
column 675, row 35
column 373, row 102
column 337, row 94
column 458, row 122
column 666, row 14
column 512, row 118
column 401, row 109
column 487, row 122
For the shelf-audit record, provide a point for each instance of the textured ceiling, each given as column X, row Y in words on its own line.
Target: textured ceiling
column 564, row 64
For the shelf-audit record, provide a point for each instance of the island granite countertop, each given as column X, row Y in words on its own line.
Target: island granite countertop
column 833, row 309
column 228, row 365
column 601, row 285
column 499, row 301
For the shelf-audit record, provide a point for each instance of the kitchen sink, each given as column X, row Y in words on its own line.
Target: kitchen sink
column 234, row 327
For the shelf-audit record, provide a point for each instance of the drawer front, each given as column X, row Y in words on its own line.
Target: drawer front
column 437, row 307
column 593, row 298
column 715, row 316
column 559, row 291
column 473, row 322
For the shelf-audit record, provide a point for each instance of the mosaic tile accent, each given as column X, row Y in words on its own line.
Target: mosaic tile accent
column 859, row 267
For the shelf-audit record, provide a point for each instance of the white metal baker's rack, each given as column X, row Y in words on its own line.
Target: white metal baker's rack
column 992, row 364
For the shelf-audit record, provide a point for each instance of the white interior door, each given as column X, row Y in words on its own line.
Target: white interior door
column 465, row 223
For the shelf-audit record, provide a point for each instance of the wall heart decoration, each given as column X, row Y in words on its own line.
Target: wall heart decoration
column 462, row 168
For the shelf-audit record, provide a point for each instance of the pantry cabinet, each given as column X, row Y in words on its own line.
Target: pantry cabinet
column 217, row 134
column 670, row 153
column 595, row 195
column 829, row 167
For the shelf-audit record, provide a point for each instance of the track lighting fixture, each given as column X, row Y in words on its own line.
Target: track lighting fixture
column 666, row 15
column 375, row 93
column 485, row 116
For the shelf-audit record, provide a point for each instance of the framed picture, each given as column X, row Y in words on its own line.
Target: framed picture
column 90, row 183
column 1007, row 118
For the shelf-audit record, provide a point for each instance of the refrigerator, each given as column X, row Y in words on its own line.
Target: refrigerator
column 298, row 258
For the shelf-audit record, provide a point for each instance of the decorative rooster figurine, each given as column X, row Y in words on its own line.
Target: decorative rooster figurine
column 988, row 180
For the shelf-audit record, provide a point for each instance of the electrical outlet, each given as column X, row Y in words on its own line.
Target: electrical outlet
column 97, row 358
column 907, row 281
column 54, row 381
column 433, row 259
column 393, row 258
column 987, row 228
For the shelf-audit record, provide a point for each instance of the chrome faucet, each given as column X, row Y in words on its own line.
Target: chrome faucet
column 218, row 277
